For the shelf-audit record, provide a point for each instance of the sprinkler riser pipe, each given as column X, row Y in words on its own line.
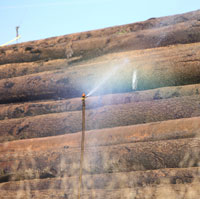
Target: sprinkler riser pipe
column 82, row 145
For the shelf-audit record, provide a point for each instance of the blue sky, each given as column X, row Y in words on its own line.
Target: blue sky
column 40, row 19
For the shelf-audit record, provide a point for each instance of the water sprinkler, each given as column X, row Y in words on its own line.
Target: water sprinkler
column 82, row 145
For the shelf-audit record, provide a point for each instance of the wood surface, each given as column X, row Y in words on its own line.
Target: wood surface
column 141, row 156
column 165, row 130
column 151, row 33
column 103, row 117
column 170, row 66
column 142, row 140
column 17, row 110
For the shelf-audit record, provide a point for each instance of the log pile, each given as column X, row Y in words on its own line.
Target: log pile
column 142, row 113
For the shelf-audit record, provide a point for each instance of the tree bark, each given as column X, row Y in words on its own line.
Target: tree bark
column 141, row 156
column 27, row 68
column 8, row 111
column 113, row 180
column 122, row 159
column 92, row 46
column 104, row 117
column 165, row 130
column 179, row 66
column 180, row 191
column 110, row 180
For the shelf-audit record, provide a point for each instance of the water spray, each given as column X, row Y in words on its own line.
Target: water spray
column 105, row 79
column 134, row 80
column 112, row 72
column 82, row 145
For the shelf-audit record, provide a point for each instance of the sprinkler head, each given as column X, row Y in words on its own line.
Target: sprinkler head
column 83, row 96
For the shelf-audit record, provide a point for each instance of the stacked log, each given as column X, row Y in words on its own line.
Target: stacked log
column 140, row 156
column 169, row 181
column 104, row 117
column 181, row 69
column 186, row 31
column 165, row 130
column 142, row 112
column 18, row 110
column 128, row 180
column 154, row 192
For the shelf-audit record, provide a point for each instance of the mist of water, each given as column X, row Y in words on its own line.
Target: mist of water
column 108, row 75
column 134, row 80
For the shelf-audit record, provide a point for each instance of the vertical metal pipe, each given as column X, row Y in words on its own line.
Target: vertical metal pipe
column 82, row 146
column 17, row 33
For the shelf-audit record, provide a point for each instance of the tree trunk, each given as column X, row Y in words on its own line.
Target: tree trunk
column 179, row 66
column 27, row 68
column 75, row 104
column 123, row 157
column 165, row 130
column 180, row 191
column 113, row 180
column 141, row 156
column 104, row 117
column 92, row 46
